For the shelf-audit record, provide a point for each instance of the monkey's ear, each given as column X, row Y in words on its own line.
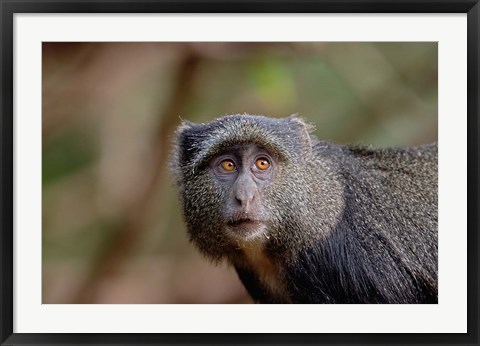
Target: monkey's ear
column 303, row 129
column 178, row 152
column 184, row 125
column 295, row 117
column 184, row 129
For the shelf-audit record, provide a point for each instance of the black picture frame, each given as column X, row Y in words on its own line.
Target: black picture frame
column 10, row 7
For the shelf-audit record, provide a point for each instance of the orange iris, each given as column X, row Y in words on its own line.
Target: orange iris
column 262, row 164
column 228, row 165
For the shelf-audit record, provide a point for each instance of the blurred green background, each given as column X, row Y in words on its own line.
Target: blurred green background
column 112, row 231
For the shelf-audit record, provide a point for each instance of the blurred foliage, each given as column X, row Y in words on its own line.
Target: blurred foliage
column 112, row 229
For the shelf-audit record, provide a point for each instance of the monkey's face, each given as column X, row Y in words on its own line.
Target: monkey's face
column 243, row 173
column 239, row 178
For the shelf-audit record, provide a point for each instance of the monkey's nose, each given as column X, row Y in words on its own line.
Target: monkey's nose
column 244, row 199
column 245, row 190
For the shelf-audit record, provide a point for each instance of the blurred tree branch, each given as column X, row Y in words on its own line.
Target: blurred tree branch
column 124, row 238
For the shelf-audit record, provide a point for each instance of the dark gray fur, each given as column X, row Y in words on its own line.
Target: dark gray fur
column 348, row 224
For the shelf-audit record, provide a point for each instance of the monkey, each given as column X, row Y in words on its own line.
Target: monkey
column 303, row 220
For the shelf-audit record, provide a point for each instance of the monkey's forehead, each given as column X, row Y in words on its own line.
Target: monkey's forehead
column 285, row 137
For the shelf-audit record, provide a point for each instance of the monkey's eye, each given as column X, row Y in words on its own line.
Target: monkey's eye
column 262, row 163
column 228, row 165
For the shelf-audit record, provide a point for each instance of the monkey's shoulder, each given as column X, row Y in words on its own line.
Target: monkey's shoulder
column 353, row 163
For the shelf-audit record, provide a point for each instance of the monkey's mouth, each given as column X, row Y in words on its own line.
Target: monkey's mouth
column 245, row 226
